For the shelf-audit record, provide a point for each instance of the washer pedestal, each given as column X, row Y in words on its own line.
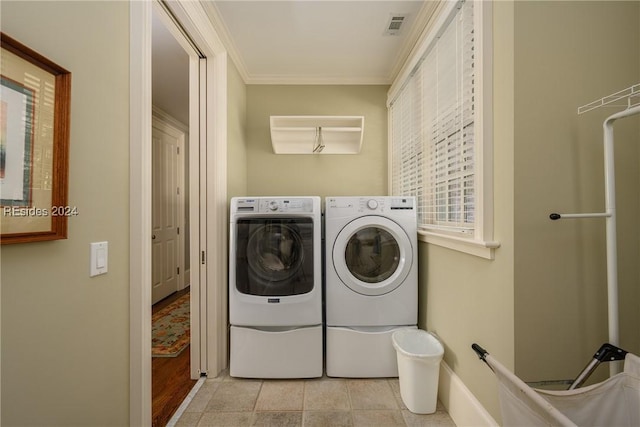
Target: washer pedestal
column 276, row 353
column 361, row 352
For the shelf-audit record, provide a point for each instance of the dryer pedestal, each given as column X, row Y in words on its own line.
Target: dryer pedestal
column 285, row 353
column 365, row 352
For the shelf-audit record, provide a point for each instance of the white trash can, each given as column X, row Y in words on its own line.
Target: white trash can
column 419, row 354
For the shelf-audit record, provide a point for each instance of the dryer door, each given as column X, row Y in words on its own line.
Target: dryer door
column 372, row 255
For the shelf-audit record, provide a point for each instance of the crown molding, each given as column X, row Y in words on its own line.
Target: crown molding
column 417, row 28
column 225, row 37
column 168, row 118
column 314, row 80
column 420, row 23
column 441, row 10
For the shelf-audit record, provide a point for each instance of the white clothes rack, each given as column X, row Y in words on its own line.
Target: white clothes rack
column 630, row 99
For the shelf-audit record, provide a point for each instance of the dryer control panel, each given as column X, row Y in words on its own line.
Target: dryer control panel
column 370, row 204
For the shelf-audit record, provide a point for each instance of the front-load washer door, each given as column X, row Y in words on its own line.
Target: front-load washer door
column 274, row 256
column 372, row 255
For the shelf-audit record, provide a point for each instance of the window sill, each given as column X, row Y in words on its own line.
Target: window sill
column 477, row 248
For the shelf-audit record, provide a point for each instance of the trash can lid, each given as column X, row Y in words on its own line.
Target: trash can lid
column 417, row 343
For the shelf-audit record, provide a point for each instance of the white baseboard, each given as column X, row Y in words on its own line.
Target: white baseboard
column 462, row 406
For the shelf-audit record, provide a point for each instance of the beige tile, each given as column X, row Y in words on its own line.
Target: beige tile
column 395, row 387
column 327, row 419
column 439, row 418
column 394, row 383
column 189, row 419
column 280, row 396
column 227, row 377
column 371, row 394
column 277, row 419
column 440, row 407
column 326, row 394
column 223, row 375
column 378, row 418
column 202, row 397
column 326, row 402
column 234, row 396
column 230, row 419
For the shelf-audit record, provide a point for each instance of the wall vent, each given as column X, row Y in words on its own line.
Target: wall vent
column 395, row 24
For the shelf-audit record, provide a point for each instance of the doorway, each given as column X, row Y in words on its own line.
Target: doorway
column 170, row 287
column 207, row 192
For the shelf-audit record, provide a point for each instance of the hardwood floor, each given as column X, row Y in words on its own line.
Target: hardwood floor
column 170, row 377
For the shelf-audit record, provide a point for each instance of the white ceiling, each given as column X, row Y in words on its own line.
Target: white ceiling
column 169, row 72
column 294, row 42
column 315, row 41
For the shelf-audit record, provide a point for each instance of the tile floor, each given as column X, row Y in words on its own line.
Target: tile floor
column 226, row 401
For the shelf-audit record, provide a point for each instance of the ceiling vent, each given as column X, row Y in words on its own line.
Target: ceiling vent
column 395, row 24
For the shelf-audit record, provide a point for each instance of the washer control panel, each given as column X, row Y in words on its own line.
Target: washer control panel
column 274, row 205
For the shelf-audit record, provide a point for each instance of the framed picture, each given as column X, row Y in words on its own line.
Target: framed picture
column 34, row 145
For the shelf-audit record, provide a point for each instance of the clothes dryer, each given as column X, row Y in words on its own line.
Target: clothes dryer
column 371, row 282
column 275, row 287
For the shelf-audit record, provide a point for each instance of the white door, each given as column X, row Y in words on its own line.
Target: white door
column 165, row 203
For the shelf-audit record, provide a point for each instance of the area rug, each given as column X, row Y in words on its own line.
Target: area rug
column 170, row 329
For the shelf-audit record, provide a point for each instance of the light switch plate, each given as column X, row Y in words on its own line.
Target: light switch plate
column 99, row 258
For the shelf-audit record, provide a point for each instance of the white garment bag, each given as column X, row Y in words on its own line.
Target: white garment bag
column 614, row 402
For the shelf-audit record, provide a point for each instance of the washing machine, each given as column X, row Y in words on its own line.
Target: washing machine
column 275, row 287
column 371, row 276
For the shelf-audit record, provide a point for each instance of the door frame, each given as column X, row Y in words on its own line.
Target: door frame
column 208, row 221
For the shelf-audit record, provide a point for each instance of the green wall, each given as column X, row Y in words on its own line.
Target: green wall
column 568, row 54
column 236, row 132
column 324, row 174
column 467, row 299
column 65, row 336
column 546, row 287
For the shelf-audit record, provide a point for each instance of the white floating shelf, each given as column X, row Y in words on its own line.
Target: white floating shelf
column 300, row 134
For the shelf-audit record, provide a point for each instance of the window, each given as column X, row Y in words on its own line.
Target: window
column 440, row 130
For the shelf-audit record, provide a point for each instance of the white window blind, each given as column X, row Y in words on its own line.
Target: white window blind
column 408, row 152
column 432, row 122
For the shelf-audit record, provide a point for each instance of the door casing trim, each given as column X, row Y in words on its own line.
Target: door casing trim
column 213, row 283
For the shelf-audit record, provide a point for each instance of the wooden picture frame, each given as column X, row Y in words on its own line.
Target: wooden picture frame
column 35, row 109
